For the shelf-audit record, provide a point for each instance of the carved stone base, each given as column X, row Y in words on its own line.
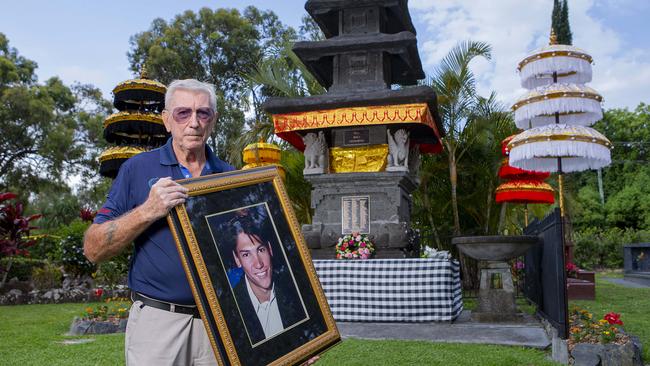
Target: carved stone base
column 397, row 169
column 389, row 210
column 313, row 171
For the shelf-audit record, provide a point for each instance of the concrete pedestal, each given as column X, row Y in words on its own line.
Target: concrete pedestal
column 496, row 299
column 389, row 208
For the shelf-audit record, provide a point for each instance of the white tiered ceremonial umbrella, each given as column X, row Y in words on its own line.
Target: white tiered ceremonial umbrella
column 576, row 104
column 556, row 114
column 570, row 64
column 579, row 147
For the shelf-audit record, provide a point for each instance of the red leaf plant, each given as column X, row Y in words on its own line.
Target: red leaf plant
column 14, row 227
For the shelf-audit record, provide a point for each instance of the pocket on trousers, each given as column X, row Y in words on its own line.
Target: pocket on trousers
column 134, row 314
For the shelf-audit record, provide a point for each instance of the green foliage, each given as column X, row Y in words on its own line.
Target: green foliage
column 463, row 178
column 43, row 134
column 298, row 189
column 46, row 277
column 21, row 267
column 597, row 248
column 218, row 46
column 47, row 247
column 71, row 243
column 112, row 273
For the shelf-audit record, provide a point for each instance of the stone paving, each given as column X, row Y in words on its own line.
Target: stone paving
column 528, row 333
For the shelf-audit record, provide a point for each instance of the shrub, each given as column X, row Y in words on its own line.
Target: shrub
column 112, row 273
column 46, row 277
column 597, row 248
column 21, row 267
column 47, row 247
column 72, row 253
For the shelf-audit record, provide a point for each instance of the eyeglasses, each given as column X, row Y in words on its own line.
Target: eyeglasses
column 183, row 114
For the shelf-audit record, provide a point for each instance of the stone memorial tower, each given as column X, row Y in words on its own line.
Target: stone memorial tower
column 362, row 139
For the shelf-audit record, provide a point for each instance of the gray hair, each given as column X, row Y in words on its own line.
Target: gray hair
column 192, row 85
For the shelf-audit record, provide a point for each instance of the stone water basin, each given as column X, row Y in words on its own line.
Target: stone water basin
column 495, row 247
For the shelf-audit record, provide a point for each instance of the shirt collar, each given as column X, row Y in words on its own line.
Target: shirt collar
column 167, row 157
column 254, row 300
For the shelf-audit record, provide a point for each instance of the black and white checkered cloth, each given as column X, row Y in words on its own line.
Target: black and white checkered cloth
column 392, row 290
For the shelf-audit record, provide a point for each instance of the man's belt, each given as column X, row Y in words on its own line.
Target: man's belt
column 167, row 306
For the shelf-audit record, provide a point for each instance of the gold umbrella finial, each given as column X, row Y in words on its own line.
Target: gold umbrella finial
column 144, row 74
column 553, row 37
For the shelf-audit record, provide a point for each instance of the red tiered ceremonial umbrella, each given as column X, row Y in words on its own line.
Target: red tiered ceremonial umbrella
column 522, row 186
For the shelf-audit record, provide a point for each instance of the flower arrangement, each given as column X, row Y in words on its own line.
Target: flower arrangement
column 354, row 246
column 584, row 329
column 113, row 309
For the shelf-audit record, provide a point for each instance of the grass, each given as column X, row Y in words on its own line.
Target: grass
column 631, row 303
column 32, row 335
column 354, row 352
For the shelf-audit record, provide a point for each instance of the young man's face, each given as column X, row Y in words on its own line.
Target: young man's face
column 255, row 258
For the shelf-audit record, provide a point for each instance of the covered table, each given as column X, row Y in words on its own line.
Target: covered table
column 392, row 290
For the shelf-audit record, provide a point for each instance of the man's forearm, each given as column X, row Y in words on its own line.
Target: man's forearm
column 106, row 240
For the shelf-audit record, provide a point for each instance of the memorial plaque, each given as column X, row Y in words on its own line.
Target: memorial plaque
column 355, row 214
column 356, row 137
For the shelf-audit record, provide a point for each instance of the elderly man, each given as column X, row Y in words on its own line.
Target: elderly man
column 164, row 327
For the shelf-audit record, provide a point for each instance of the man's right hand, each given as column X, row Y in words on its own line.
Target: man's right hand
column 164, row 195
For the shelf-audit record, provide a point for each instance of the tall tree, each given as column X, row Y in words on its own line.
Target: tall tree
column 560, row 22
column 218, row 46
column 455, row 85
column 47, row 131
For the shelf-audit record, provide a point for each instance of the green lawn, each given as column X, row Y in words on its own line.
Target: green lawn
column 632, row 303
column 32, row 335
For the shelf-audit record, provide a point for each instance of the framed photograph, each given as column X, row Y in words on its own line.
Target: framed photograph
column 250, row 270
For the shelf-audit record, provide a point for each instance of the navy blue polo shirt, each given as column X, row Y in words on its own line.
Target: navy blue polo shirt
column 155, row 269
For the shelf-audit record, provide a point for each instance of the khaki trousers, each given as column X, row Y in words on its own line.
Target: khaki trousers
column 157, row 337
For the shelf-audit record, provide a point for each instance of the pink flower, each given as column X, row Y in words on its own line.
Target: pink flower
column 362, row 245
column 348, row 255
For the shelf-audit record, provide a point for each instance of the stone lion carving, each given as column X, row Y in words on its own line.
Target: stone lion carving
column 398, row 149
column 315, row 152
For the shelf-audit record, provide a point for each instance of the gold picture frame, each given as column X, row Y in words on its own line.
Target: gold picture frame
column 206, row 229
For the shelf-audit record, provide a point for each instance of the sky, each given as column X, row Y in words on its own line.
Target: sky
column 87, row 41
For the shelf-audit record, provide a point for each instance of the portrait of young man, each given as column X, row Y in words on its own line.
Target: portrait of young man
column 265, row 292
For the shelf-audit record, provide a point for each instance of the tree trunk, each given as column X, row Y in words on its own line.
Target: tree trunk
column 502, row 218
column 427, row 205
column 453, row 179
column 488, row 210
column 4, row 276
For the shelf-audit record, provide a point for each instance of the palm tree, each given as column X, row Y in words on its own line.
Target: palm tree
column 283, row 76
column 455, row 86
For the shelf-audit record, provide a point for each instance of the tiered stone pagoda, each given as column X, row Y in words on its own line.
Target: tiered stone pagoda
column 362, row 139
column 138, row 126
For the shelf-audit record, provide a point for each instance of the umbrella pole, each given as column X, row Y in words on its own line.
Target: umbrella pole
column 525, row 215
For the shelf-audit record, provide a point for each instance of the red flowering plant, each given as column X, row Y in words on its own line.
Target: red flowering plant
column 354, row 246
column 571, row 270
column 585, row 329
column 87, row 215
